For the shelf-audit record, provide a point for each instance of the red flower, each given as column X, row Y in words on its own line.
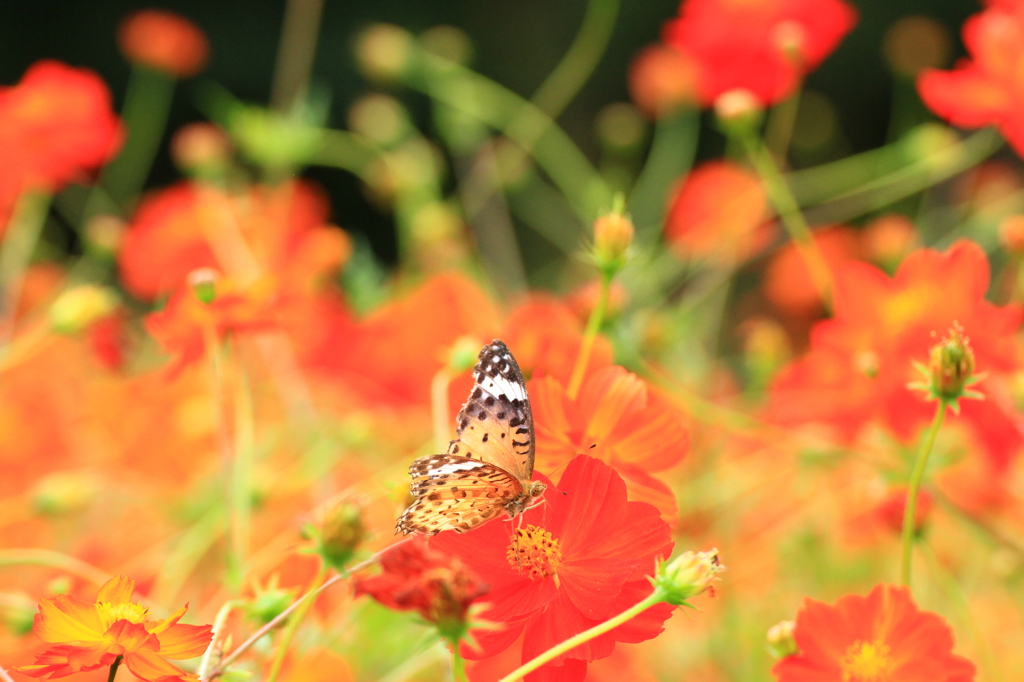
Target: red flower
column 764, row 46
column 575, row 561
column 859, row 362
column 985, row 89
column 615, row 412
column 418, row 578
column 716, row 212
column 163, row 41
column 55, row 125
column 882, row 637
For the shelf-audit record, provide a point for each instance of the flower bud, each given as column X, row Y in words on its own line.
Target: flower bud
column 163, row 41
column 462, row 355
column 201, row 149
column 338, row 534
column 383, row 52
column 269, row 601
column 613, row 235
column 951, row 365
column 689, row 574
column 63, row 492
column 17, row 612
column 738, row 110
column 80, row 306
column 781, row 641
column 204, row 284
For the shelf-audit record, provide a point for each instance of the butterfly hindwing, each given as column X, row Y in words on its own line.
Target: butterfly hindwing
column 456, row 493
column 496, row 423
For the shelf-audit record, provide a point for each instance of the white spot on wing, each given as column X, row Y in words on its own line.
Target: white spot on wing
column 455, row 467
column 502, row 386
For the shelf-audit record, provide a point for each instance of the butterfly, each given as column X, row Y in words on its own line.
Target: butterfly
column 489, row 466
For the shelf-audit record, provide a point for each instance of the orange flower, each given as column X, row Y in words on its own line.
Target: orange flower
column 764, row 46
column 716, row 211
column 859, row 362
column 662, row 79
column 89, row 636
column 882, row 637
column 985, row 89
column 280, row 231
column 55, row 125
column 788, row 284
column 163, row 41
column 629, row 428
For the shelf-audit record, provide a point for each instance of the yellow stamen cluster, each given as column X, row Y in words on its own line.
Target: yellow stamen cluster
column 534, row 552
column 867, row 662
column 111, row 613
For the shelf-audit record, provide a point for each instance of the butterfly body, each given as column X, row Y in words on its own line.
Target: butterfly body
column 488, row 468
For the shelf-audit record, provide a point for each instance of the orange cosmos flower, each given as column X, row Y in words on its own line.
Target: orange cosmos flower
column 163, row 41
column 985, row 89
column 90, row 636
column 860, row 361
column 662, row 79
column 764, row 46
column 281, row 231
column 787, row 281
column 716, row 212
column 55, row 125
column 882, row 637
column 630, row 428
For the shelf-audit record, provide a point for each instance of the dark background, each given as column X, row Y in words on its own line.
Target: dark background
column 516, row 43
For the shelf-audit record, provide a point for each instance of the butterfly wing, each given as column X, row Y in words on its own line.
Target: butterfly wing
column 496, row 423
column 456, row 493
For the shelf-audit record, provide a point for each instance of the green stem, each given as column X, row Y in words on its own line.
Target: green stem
column 584, row 637
column 280, row 618
column 671, row 156
column 589, row 335
column 113, row 669
column 51, row 559
column 458, row 665
column 296, row 52
column 910, row 508
column 147, row 104
column 305, row 604
column 789, row 211
column 16, row 248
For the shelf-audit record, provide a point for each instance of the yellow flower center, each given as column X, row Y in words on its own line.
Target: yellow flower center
column 534, row 552
column 867, row 662
column 111, row 613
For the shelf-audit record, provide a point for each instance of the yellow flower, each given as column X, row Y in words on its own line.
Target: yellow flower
column 90, row 636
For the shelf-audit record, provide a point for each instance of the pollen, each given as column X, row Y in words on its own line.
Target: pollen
column 534, row 552
column 867, row 662
column 111, row 613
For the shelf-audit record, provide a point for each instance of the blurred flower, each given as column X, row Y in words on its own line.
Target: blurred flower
column 318, row 665
column 575, row 561
column 882, row 637
column 201, row 149
column 765, row 46
column 163, row 41
column 89, row 636
column 859, row 362
column 439, row 586
column 787, row 281
column 887, row 239
column 916, row 43
column 617, row 419
column 80, row 306
column 662, row 79
column 985, row 89
column 1011, row 235
column 383, row 52
column 719, row 210
column 56, row 125
column 338, row 532
column 613, row 236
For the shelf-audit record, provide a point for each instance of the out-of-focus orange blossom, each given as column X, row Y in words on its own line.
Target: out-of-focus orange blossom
column 163, row 41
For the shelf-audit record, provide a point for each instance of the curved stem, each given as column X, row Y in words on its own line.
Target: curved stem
column 306, row 603
column 583, row 637
column 113, row 669
column 241, row 470
column 910, row 508
column 789, row 212
column 218, row 626
column 280, row 618
column 671, row 156
column 16, row 248
column 46, row 557
column 589, row 335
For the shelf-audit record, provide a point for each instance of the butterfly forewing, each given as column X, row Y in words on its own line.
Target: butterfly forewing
column 496, row 424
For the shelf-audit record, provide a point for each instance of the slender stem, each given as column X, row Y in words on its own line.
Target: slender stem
column 305, row 604
column 241, row 470
column 910, row 508
column 439, row 408
column 789, row 211
column 280, row 618
column 16, row 248
column 46, row 557
column 147, row 104
column 458, row 664
column 671, row 156
column 113, row 669
column 218, row 627
column 296, row 52
column 583, row 637
column 589, row 335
